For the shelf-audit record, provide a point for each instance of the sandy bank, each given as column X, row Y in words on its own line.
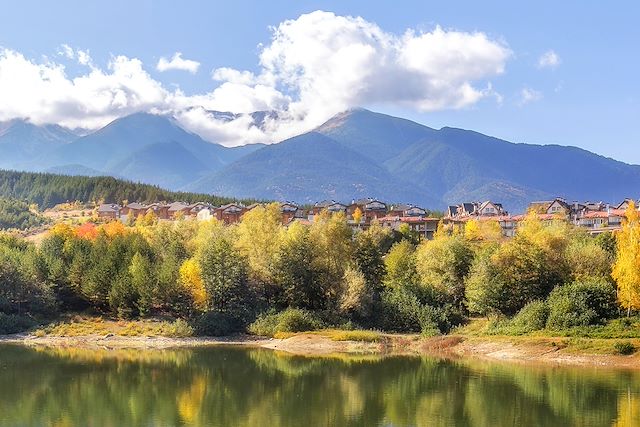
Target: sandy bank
column 513, row 349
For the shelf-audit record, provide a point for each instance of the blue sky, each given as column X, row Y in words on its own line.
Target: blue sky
column 590, row 98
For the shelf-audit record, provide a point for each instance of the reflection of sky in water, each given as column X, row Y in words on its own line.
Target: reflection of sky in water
column 254, row 387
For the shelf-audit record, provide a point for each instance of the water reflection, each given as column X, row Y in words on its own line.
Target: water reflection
column 254, row 387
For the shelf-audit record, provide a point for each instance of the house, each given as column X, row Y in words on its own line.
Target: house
column 133, row 210
column 205, row 214
column 625, row 204
column 407, row 210
column 230, row 213
column 371, row 209
column 475, row 209
column 109, row 211
column 175, row 209
column 490, row 208
column 423, row 226
column 600, row 221
column 194, row 208
column 328, row 205
column 288, row 211
column 508, row 225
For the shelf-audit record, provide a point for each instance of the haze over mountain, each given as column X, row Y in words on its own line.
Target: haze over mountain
column 357, row 153
column 20, row 141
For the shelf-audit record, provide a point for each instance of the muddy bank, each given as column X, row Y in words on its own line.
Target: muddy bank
column 512, row 349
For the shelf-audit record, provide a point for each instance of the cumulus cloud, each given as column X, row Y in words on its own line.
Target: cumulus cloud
column 528, row 95
column 549, row 59
column 177, row 62
column 312, row 68
column 43, row 93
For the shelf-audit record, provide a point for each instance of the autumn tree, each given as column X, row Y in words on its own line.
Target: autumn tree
column 626, row 269
column 331, row 238
column 258, row 240
column 357, row 216
column 400, row 264
column 191, row 280
column 443, row 263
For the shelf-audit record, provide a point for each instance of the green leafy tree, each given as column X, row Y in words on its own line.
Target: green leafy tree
column 225, row 276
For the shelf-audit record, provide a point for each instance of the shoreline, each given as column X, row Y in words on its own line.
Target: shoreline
column 550, row 351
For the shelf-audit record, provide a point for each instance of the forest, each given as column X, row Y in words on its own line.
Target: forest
column 261, row 276
column 15, row 214
column 47, row 190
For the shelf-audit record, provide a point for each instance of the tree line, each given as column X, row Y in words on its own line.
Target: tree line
column 47, row 190
column 261, row 275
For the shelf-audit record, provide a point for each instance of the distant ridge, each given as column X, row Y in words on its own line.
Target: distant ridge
column 357, row 153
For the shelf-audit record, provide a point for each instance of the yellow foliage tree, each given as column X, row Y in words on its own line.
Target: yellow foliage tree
column 475, row 230
column 472, row 230
column 626, row 269
column 357, row 216
column 113, row 228
column 63, row 230
column 258, row 239
column 148, row 219
column 191, row 279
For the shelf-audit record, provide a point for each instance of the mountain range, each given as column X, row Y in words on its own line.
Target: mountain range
column 357, row 153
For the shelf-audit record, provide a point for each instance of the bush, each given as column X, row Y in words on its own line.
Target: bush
column 179, row 329
column 532, row 317
column 217, row 324
column 12, row 323
column 624, row 347
column 402, row 311
column 289, row 320
column 582, row 303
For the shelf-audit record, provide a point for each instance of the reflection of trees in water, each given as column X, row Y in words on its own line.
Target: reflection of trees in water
column 231, row 386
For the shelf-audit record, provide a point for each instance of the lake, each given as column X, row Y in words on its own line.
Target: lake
column 225, row 386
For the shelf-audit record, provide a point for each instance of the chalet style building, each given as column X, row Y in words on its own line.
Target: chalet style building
column 328, row 205
column 475, row 209
column 370, row 208
column 111, row 211
column 423, row 226
column 596, row 217
column 407, row 210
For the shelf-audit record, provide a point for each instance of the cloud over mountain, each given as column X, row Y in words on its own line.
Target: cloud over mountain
column 313, row 67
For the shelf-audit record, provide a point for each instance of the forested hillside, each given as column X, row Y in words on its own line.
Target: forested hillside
column 47, row 190
column 16, row 214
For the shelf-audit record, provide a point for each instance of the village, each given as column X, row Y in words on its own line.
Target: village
column 595, row 217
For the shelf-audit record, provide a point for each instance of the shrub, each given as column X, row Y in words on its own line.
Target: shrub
column 179, row 329
column 582, row 303
column 363, row 336
column 289, row 320
column 532, row 317
column 12, row 323
column 402, row 311
column 216, row 324
column 624, row 347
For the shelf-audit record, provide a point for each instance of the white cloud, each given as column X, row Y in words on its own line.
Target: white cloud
column 44, row 93
column 549, row 59
column 178, row 63
column 528, row 95
column 312, row 68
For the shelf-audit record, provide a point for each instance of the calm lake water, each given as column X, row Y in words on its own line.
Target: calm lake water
column 254, row 387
